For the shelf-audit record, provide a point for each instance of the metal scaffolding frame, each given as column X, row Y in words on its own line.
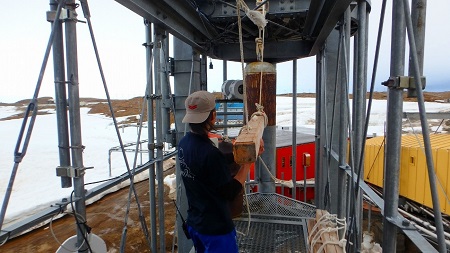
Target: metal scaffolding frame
column 326, row 34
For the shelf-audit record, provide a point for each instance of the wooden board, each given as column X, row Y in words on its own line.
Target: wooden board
column 246, row 146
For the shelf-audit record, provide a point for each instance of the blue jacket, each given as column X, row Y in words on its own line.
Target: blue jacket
column 209, row 185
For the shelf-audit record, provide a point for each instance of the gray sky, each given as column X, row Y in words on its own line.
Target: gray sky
column 120, row 33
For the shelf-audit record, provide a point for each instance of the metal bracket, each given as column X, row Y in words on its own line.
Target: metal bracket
column 413, row 85
column 400, row 222
column 227, row 9
column 171, row 66
column 152, row 146
column 344, row 167
column 69, row 171
column 172, row 137
column 62, row 82
column 66, row 14
column 286, row 5
column 82, row 147
column 64, row 202
column 150, row 45
column 153, row 96
column 167, row 103
column 403, row 82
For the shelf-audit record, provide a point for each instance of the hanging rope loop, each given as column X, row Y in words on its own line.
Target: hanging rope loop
column 259, row 48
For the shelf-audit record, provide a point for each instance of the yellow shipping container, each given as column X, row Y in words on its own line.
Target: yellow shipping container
column 414, row 182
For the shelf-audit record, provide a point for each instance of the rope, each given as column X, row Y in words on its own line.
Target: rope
column 341, row 243
column 260, row 88
column 326, row 216
column 254, row 15
column 331, row 222
column 287, row 183
column 258, row 18
column 249, row 215
column 241, row 48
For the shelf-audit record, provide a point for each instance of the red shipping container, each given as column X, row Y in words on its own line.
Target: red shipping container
column 305, row 149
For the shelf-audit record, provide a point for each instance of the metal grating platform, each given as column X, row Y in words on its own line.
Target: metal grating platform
column 277, row 224
column 276, row 204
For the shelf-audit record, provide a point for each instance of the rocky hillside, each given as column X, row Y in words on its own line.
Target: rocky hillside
column 130, row 108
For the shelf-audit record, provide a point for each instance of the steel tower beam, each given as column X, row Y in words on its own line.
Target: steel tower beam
column 186, row 79
column 295, row 29
column 393, row 129
column 322, row 19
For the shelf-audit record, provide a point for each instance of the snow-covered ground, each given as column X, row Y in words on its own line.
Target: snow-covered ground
column 306, row 109
column 37, row 186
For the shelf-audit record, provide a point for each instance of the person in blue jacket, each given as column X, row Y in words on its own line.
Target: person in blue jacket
column 207, row 179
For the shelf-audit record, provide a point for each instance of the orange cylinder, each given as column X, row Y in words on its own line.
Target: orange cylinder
column 260, row 77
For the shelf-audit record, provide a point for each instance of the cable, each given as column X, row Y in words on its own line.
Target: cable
column 440, row 124
column 54, row 235
column 327, row 194
column 376, row 156
column 172, row 105
column 353, row 201
column 202, row 17
column 145, row 230
column 372, row 87
column 369, row 106
column 87, row 228
column 6, row 239
column 86, row 13
column 32, row 107
column 101, row 181
column 229, row 28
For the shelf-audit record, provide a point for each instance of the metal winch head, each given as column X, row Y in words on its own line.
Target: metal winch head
column 233, row 89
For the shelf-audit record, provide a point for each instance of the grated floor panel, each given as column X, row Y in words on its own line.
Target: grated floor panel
column 277, row 224
column 270, row 237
